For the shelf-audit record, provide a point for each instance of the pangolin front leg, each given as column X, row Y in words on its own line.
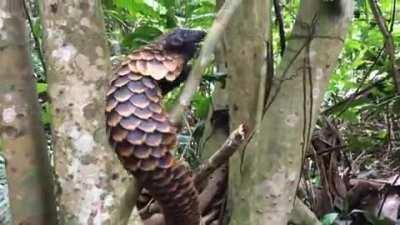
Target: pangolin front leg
column 139, row 129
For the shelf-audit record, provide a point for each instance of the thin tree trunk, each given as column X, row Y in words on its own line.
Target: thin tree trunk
column 269, row 173
column 245, row 45
column 245, row 48
column 90, row 179
column 28, row 168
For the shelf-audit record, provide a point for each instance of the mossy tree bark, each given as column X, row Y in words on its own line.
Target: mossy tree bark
column 22, row 134
column 265, row 178
column 90, row 180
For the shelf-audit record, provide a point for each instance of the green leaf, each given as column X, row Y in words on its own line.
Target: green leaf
column 201, row 104
column 139, row 8
column 329, row 219
column 171, row 99
column 141, row 36
column 350, row 116
column 170, row 19
column 46, row 115
column 168, row 3
column 41, row 87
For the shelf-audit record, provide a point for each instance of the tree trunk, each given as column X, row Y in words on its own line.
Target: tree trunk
column 90, row 179
column 265, row 182
column 22, row 134
column 245, row 47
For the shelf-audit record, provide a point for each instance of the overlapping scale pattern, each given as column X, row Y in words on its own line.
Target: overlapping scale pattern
column 142, row 136
column 137, row 124
column 152, row 61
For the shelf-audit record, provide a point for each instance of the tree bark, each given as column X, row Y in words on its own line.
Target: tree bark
column 28, row 166
column 302, row 215
column 265, row 181
column 245, row 45
column 90, row 180
column 245, row 48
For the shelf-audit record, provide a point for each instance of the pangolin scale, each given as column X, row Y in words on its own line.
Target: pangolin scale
column 139, row 129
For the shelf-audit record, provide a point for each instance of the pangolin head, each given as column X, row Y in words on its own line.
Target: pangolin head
column 183, row 41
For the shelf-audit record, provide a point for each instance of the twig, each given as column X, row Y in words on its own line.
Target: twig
column 363, row 80
column 328, row 150
column 393, row 19
column 279, row 19
column 386, row 195
column 222, row 155
column 291, row 61
column 354, row 96
column 389, row 43
column 38, row 44
column 389, row 128
column 214, row 35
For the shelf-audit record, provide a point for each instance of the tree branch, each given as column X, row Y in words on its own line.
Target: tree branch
column 38, row 45
column 279, row 19
column 222, row 155
column 389, row 43
column 214, row 35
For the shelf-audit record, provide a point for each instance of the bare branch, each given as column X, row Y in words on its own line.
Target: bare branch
column 38, row 45
column 214, row 35
column 279, row 19
column 222, row 155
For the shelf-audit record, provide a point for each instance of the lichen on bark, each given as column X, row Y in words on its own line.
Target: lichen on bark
column 89, row 177
column 22, row 135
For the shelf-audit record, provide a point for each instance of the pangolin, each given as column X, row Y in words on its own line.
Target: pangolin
column 139, row 129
